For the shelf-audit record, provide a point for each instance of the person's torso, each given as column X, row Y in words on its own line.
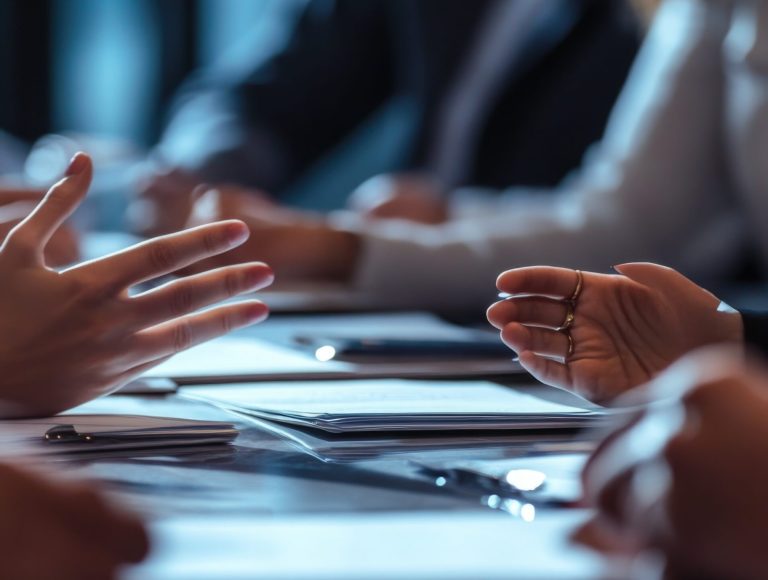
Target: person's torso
column 553, row 102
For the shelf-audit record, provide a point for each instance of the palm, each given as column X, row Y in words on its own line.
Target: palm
column 617, row 344
column 626, row 328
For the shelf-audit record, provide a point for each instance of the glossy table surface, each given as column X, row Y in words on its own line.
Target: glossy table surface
column 213, row 510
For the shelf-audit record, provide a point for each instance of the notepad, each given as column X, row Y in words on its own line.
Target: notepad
column 85, row 433
column 397, row 405
column 264, row 352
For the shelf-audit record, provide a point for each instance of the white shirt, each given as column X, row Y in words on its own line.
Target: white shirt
column 680, row 178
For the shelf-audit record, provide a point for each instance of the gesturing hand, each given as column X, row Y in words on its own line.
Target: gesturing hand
column 688, row 477
column 15, row 205
column 63, row 529
column 625, row 329
column 71, row 336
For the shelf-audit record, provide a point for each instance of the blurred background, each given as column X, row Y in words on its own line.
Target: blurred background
column 110, row 67
column 104, row 75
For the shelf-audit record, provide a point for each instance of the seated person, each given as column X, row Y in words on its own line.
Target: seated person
column 681, row 488
column 496, row 93
column 67, row 337
column 677, row 179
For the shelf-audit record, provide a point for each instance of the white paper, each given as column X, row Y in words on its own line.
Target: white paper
column 237, row 357
column 383, row 397
column 395, row 405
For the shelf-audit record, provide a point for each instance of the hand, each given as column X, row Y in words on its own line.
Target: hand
column 16, row 204
column 63, row 529
column 689, row 476
column 68, row 337
column 411, row 197
column 299, row 246
column 625, row 329
column 164, row 202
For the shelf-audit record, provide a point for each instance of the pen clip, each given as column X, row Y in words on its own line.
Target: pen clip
column 66, row 434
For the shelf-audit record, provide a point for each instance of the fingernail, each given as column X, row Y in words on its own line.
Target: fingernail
column 77, row 164
column 259, row 277
column 257, row 313
column 237, row 233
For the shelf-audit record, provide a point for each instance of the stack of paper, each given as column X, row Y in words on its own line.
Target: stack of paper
column 345, row 448
column 397, row 405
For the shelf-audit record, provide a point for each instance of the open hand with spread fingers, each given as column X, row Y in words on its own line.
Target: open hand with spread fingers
column 67, row 337
column 598, row 334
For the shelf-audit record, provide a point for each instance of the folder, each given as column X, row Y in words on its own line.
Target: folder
column 89, row 433
column 351, row 448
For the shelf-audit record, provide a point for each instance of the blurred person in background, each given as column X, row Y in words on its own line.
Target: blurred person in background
column 678, row 178
column 502, row 92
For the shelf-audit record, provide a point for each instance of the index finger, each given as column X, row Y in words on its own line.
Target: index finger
column 539, row 280
column 164, row 255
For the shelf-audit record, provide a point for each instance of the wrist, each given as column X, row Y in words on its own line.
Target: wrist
column 337, row 254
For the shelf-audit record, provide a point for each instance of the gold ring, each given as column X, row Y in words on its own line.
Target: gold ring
column 570, row 345
column 569, row 317
column 579, row 285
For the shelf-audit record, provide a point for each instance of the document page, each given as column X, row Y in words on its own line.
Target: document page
column 393, row 404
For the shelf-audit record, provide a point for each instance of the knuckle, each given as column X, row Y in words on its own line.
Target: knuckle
column 211, row 242
column 182, row 336
column 227, row 322
column 232, row 284
column 86, row 290
column 181, row 301
column 162, row 256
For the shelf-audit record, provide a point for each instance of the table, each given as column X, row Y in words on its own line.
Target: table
column 261, row 508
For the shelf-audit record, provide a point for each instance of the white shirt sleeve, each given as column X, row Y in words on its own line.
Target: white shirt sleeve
column 656, row 188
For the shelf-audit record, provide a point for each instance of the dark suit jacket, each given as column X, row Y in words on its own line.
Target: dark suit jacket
column 345, row 58
column 756, row 330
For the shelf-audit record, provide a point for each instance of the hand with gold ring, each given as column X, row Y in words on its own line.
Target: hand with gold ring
column 600, row 335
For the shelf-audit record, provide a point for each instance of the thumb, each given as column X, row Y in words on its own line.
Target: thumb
column 664, row 279
column 200, row 191
column 61, row 201
column 206, row 208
